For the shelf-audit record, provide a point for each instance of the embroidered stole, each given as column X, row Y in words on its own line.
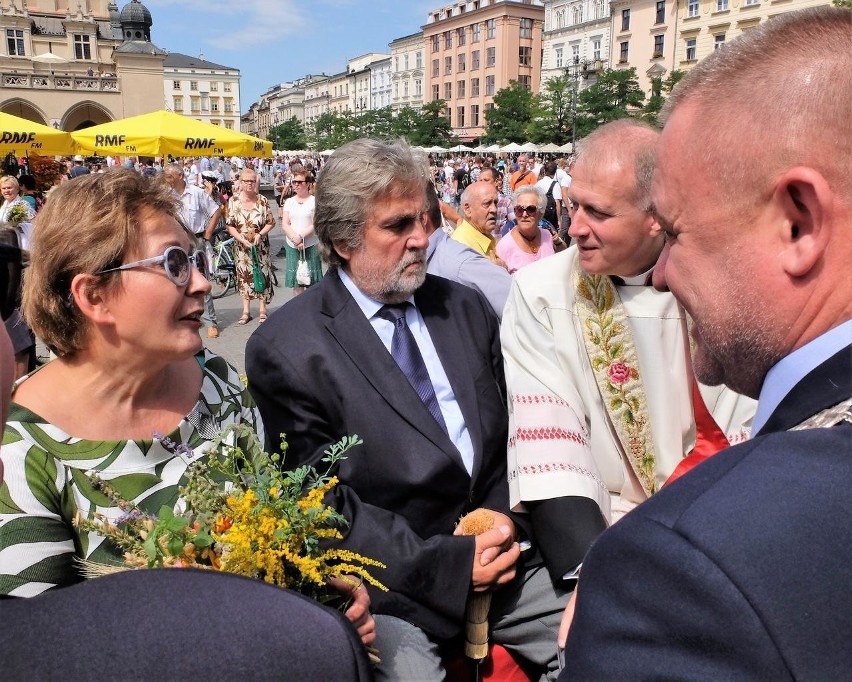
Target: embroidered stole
column 612, row 354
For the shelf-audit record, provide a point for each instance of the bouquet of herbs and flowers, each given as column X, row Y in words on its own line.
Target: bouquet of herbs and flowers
column 242, row 514
column 18, row 214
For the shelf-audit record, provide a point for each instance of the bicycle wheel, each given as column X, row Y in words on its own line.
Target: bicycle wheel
column 220, row 282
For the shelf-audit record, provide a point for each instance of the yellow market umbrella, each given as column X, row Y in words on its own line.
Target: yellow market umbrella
column 20, row 136
column 163, row 132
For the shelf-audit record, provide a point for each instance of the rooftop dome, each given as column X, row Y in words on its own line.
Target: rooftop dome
column 135, row 12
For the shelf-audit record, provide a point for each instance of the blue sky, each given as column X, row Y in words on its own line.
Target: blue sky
column 272, row 41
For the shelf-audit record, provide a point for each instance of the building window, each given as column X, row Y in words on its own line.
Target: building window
column 435, row 92
column 490, row 85
column 175, row 85
column 418, row 60
column 462, row 59
column 750, row 3
column 577, row 14
column 526, row 28
column 460, row 88
column 558, row 60
column 82, row 47
column 214, row 105
column 575, row 53
column 214, row 87
column 418, row 88
column 622, row 53
column 596, row 48
column 690, row 49
column 474, row 87
column 448, row 40
column 525, row 81
column 396, row 90
column 721, row 5
column 474, row 60
column 718, row 41
column 178, row 104
column 489, row 106
column 460, row 117
column 436, row 43
column 525, row 56
column 474, row 114
column 491, row 29
column 448, row 65
column 658, row 46
column 692, row 8
column 491, row 56
column 474, row 33
column 195, row 105
column 661, row 12
column 15, row 42
column 405, row 88
column 436, row 68
column 228, row 106
column 625, row 20
column 461, row 35
column 448, row 91
column 193, row 85
column 226, row 87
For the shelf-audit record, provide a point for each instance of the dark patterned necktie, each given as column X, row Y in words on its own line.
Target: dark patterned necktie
column 407, row 355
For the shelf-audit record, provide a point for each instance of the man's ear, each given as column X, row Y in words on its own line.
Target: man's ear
column 88, row 294
column 804, row 201
column 341, row 250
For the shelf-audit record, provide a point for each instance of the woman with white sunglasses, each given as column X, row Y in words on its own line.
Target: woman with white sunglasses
column 119, row 301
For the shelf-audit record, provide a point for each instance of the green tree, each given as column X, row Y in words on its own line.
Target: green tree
column 433, row 126
column 405, row 124
column 651, row 110
column 615, row 94
column 288, row 135
column 376, row 123
column 846, row 4
column 511, row 115
column 333, row 129
column 551, row 119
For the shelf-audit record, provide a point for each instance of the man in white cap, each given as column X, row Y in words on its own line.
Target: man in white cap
column 79, row 168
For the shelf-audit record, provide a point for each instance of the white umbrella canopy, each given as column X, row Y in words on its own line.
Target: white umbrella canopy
column 435, row 149
column 529, row 147
column 550, row 148
column 327, row 152
column 511, row 147
column 567, row 147
column 461, row 148
column 493, row 148
column 49, row 58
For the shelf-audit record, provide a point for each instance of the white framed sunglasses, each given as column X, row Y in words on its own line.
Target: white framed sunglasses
column 175, row 261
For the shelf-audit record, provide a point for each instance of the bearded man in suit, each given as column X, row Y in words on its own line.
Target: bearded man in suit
column 411, row 363
column 740, row 569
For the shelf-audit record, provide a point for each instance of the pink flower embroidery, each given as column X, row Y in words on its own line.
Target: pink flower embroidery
column 619, row 373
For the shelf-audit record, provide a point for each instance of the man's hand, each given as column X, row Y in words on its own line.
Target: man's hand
column 567, row 617
column 495, row 555
column 358, row 612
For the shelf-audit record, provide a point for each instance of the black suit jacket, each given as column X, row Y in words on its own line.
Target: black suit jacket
column 318, row 371
column 739, row 570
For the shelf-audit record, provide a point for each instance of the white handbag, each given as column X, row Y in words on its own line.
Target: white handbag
column 303, row 272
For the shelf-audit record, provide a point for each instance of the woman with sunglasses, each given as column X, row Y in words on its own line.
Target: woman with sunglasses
column 297, row 221
column 527, row 242
column 249, row 222
column 120, row 305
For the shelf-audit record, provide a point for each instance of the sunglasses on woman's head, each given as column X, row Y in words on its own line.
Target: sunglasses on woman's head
column 175, row 262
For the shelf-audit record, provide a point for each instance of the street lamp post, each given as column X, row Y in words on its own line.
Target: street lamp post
column 585, row 68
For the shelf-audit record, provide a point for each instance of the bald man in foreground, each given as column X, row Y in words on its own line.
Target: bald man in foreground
column 740, row 569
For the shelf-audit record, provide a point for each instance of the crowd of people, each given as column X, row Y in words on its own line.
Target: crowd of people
column 656, row 419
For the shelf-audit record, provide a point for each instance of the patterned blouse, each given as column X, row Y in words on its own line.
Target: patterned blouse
column 45, row 483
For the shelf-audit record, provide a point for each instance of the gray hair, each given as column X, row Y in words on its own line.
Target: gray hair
column 355, row 177
column 625, row 141
column 540, row 196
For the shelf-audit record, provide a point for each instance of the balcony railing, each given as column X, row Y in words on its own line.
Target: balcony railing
column 56, row 81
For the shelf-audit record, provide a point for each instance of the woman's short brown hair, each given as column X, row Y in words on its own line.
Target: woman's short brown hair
column 86, row 226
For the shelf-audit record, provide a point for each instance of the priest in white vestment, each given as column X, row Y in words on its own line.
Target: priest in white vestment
column 601, row 389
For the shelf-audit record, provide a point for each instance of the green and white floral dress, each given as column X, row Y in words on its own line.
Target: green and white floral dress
column 45, row 483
